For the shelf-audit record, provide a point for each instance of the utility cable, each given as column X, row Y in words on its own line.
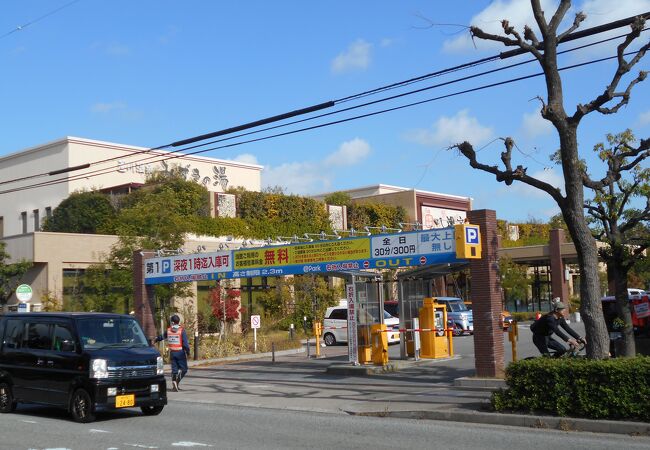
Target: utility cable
column 51, row 13
column 453, row 94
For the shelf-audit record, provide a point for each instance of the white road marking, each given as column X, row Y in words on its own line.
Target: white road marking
column 29, row 421
column 189, row 444
column 94, row 430
column 138, row 445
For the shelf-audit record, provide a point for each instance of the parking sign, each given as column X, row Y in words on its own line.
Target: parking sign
column 471, row 235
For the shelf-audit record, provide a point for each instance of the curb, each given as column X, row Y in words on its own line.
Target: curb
column 243, row 357
column 520, row 420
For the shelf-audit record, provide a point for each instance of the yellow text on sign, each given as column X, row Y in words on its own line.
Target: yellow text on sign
column 468, row 241
column 310, row 253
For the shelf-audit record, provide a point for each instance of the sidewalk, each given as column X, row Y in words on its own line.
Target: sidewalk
column 443, row 389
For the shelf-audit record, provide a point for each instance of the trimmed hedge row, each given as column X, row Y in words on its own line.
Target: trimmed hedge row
column 617, row 388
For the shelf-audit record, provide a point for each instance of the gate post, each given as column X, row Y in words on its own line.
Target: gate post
column 486, row 298
column 143, row 294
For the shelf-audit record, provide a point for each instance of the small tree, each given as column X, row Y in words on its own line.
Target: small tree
column 82, row 212
column 225, row 302
column 571, row 202
column 514, row 280
column 615, row 219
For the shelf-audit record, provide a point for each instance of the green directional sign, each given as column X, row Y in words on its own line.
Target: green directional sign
column 24, row 293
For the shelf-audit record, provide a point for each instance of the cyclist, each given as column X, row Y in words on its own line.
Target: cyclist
column 544, row 327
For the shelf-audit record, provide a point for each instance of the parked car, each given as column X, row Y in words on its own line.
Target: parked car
column 392, row 306
column 506, row 318
column 458, row 314
column 83, row 362
column 335, row 325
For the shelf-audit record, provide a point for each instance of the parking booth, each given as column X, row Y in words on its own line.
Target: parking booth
column 371, row 336
column 433, row 343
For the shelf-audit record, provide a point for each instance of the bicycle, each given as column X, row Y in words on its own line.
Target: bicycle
column 573, row 352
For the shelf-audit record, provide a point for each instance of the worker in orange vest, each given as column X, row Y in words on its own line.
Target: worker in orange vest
column 179, row 348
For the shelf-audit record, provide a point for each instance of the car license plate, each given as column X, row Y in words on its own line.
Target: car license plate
column 123, row 401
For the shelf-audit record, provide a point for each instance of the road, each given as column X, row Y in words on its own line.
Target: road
column 197, row 425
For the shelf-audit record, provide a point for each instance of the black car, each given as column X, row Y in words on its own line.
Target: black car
column 83, row 362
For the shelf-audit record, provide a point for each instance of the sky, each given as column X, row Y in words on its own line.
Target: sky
column 151, row 72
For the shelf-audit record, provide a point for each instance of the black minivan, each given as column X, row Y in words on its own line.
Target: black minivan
column 83, row 362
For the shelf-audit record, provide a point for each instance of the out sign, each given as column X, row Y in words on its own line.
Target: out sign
column 471, row 235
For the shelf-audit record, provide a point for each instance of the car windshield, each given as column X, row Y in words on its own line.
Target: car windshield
column 457, row 306
column 387, row 315
column 99, row 333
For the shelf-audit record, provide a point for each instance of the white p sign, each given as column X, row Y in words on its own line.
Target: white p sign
column 471, row 235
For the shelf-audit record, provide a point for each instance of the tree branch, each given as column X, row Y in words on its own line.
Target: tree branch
column 508, row 176
column 623, row 68
column 558, row 16
column 580, row 17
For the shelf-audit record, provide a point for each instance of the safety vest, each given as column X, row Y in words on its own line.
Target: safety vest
column 175, row 339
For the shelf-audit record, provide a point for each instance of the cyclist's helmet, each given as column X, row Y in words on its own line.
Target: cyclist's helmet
column 559, row 306
column 175, row 319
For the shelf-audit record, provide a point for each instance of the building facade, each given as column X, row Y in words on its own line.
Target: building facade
column 36, row 180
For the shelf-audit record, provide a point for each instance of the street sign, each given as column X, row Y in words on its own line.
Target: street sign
column 255, row 322
column 24, row 293
column 23, row 307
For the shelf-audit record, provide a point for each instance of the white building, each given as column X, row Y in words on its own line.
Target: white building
column 34, row 181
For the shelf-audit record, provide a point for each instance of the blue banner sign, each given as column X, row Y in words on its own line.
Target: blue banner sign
column 407, row 249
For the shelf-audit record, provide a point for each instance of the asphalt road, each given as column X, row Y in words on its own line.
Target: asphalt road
column 196, row 425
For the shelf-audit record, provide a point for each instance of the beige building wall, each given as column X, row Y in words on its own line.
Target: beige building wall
column 120, row 165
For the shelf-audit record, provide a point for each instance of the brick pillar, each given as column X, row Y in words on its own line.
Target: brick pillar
column 143, row 298
column 559, row 284
column 486, row 298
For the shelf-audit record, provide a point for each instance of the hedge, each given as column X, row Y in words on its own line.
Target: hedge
column 615, row 388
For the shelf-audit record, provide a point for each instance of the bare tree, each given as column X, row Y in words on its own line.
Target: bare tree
column 571, row 203
column 616, row 221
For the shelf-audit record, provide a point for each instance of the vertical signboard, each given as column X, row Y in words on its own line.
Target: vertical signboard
column 353, row 344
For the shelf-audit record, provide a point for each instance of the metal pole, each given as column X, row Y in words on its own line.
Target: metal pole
column 196, row 345
column 273, row 352
column 254, row 340
column 308, row 355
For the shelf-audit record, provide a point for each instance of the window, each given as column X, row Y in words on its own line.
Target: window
column 37, row 220
column 38, row 336
column 23, row 220
column 339, row 314
column 63, row 340
column 48, row 212
column 14, row 333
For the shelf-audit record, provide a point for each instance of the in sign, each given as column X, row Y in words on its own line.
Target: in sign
column 255, row 322
column 366, row 264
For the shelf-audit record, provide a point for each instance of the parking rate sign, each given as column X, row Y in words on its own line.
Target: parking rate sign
column 471, row 235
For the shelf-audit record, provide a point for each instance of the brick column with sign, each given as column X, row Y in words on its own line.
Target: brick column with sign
column 486, row 298
column 143, row 298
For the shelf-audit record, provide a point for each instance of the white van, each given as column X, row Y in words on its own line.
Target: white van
column 335, row 325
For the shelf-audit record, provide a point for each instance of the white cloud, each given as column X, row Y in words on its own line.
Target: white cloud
column 452, row 130
column 550, row 176
column 535, row 125
column 349, row 153
column 116, row 49
column 297, row 178
column 246, row 158
column 356, row 57
column 105, row 108
column 309, row 177
column 644, row 119
column 517, row 12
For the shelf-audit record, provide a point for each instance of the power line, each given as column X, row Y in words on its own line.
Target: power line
column 321, row 106
column 453, row 94
column 32, row 22
column 310, row 109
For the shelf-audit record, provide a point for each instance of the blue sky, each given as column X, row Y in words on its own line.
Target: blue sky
column 151, row 72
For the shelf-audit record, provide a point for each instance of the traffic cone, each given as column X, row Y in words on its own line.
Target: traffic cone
column 538, row 315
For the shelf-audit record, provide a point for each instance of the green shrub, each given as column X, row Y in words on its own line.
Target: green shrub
column 595, row 389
